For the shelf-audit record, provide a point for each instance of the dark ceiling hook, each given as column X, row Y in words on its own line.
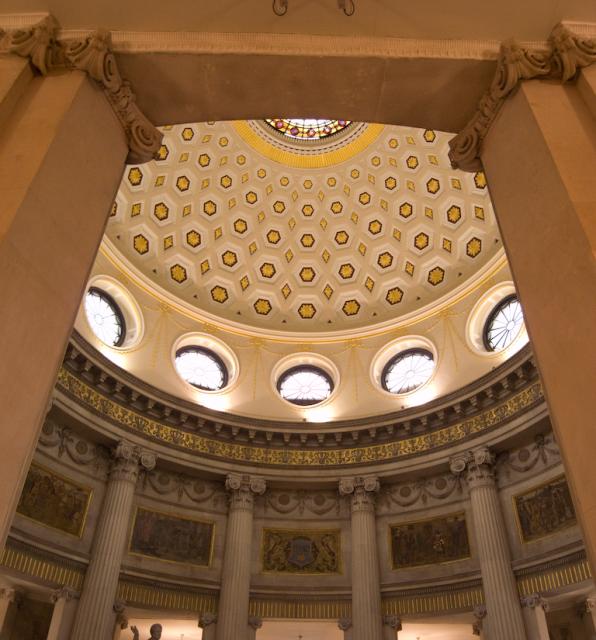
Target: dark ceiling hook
column 280, row 7
column 347, row 6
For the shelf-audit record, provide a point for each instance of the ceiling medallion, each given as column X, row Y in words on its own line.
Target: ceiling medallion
column 280, row 7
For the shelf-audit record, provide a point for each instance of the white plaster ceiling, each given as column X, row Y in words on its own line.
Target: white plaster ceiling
column 239, row 223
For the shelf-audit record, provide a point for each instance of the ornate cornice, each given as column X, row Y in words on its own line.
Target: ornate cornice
column 566, row 54
column 307, row 451
column 93, row 55
column 88, row 378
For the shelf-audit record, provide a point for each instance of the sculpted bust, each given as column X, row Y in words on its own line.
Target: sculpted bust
column 155, row 632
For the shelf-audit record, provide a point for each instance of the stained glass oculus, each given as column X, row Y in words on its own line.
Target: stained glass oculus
column 305, row 385
column 407, row 371
column 305, row 129
column 104, row 317
column 503, row 324
column 202, row 368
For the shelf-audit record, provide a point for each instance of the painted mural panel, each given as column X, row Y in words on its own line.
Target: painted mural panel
column 444, row 539
column 172, row 538
column 544, row 510
column 54, row 501
column 301, row 552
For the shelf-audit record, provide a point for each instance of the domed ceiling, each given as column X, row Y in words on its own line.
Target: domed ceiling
column 252, row 226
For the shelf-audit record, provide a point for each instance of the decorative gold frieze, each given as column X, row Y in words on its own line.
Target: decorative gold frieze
column 273, row 456
column 147, row 595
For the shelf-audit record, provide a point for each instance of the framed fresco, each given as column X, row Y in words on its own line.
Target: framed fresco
column 301, row 552
column 172, row 538
column 55, row 501
column 424, row 542
column 544, row 510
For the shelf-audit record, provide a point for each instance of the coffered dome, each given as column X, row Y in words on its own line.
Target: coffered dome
column 254, row 226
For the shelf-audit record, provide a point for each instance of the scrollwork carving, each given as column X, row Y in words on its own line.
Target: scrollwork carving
column 61, row 440
column 128, row 460
column 567, row 53
column 93, row 55
column 319, row 503
column 243, row 488
column 408, row 494
column 362, row 490
column 183, row 486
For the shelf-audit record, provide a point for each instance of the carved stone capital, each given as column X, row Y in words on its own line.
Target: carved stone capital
column 38, row 43
column 128, row 460
column 393, row 621
column 567, row 53
column 207, row 619
column 12, row 595
column 255, row 622
column 344, row 623
column 587, row 607
column 64, row 593
column 243, row 488
column 479, row 615
column 478, row 466
column 570, row 53
column 534, row 600
column 93, row 55
column 363, row 491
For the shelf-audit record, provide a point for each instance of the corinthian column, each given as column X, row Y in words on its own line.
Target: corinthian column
column 232, row 615
column 95, row 614
column 367, row 619
column 534, row 611
column 503, row 610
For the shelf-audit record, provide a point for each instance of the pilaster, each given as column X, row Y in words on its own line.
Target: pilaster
column 95, row 619
column 208, row 623
column 534, row 608
column 504, row 617
column 233, row 620
column 366, row 591
column 345, row 625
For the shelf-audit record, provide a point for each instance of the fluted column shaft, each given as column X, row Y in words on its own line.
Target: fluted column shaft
column 504, row 616
column 232, row 616
column 95, row 614
column 367, row 620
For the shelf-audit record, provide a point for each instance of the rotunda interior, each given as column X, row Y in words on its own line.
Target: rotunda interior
column 301, row 396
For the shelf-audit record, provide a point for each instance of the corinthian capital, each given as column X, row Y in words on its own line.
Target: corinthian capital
column 344, row 623
column 393, row 622
column 243, row 488
column 128, row 460
column 206, row 619
column 255, row 622
column 478, row 466
column 362, row 490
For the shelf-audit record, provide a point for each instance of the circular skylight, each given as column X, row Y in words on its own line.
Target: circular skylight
column 407, row 371
column 104, row 317
column 304, row 129
column 202, row 368
column 503, row 324
column 305, row 385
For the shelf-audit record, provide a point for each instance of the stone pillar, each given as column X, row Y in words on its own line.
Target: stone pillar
column 10, row 599
column 479, row 615
column 391, row 625
column 95, row 616
column 232, row 615
column 367, row 617
column 65, row 604
column 121, row 619
column 587, row 612
column 345, row 625
column 254, row 624
column 540, row 162
column 207, row 622
column 62, row 153
column 534, row 609
column 504, row 617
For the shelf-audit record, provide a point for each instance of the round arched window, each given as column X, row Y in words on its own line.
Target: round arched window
column 202, row 368
column 305, row 129
column 503, row 324
column 104, row 317
column 305, row 385
column 407, row 371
